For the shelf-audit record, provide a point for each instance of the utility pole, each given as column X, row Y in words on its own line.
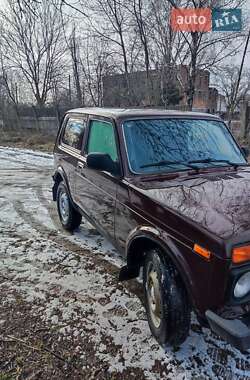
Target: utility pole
column 70, row 98
column 233, row 105
column 241, row 67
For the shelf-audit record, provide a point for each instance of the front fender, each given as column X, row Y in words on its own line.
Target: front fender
column 177, row 252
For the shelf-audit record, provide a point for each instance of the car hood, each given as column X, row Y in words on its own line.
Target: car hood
column 217, row 201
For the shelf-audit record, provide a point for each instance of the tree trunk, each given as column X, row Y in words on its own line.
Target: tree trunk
column 192, row 72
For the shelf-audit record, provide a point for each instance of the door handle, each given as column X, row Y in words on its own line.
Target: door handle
column 81, row 165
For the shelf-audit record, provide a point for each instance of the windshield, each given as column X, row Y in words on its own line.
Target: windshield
column 174, row 144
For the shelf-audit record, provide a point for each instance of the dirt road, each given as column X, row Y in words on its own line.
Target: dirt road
column 63, row 313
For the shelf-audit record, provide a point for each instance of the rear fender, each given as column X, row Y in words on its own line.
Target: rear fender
column 59, row 176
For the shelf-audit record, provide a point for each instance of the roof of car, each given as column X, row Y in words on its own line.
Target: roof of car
column 121, row 113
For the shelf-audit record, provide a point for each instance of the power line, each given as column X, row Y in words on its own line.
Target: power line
column 241, row 68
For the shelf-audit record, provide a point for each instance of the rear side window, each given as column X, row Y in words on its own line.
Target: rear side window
column 102, row 139
column 74, row 132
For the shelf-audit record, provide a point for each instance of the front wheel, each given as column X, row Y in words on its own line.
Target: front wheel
column 167, row 304
column 69, row 217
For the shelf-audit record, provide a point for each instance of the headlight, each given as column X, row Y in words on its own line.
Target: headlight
column 242, row 286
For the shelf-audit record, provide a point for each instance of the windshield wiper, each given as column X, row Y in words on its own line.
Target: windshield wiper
column 191, row 164
column 169, row 163
column 211, row 161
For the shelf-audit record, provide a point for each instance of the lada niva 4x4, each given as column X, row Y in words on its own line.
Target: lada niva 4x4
column 171, row 190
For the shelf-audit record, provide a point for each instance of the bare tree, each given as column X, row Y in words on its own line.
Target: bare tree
column 140, row 13
column 115, row 36
column 111, row 21
column 95, row 64
column 34, row 44
column 11, row 87
column 167, row 46
column 205, row 50
column 75, row 57
column 227, row 79
column 9, row 82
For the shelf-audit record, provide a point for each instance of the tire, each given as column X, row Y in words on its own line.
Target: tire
column 167, row 304
column 202, row 321
column 69, row 217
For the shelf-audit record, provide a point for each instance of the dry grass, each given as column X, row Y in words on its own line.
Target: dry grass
column 27, row 139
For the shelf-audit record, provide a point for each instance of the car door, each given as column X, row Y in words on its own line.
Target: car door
column 70, row 144
column 97, row 189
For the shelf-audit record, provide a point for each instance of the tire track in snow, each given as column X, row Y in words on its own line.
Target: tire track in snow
column 66, row 244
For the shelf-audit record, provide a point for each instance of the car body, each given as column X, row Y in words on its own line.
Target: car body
column 196, row 216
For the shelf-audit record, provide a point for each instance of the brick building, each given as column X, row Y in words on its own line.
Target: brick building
column 145, row 92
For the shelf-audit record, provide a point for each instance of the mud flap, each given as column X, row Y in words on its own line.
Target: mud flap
column 127, row 273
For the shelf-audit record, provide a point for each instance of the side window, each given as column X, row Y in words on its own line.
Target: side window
column 74, row 132
column 102, row 139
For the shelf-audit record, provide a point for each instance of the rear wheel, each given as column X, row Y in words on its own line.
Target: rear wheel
column 167, row 304
column 69, row 217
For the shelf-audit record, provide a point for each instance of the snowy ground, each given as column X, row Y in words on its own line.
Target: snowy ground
column 63, row 313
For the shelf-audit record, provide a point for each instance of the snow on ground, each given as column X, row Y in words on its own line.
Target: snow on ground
column 74, row 279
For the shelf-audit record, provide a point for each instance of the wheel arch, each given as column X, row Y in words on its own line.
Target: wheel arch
column 58, row 177
column 143, row 240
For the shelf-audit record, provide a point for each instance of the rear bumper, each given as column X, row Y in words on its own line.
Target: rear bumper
column 234, row 331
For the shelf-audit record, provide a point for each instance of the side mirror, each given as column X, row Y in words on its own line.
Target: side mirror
column 102, row 162
column 245, row 151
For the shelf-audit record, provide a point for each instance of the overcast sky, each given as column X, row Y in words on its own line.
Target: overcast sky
column 246, row 11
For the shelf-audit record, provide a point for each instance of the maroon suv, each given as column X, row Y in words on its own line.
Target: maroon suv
column 171, row 190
